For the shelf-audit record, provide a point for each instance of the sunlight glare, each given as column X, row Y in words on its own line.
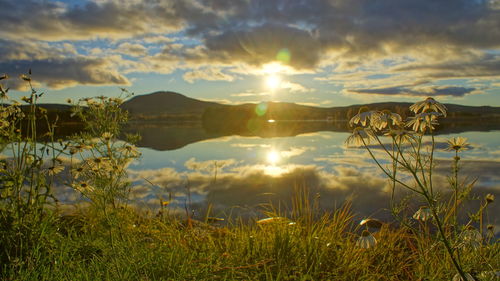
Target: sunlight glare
column 273, row 68
column 273, row 157
column 273, row 82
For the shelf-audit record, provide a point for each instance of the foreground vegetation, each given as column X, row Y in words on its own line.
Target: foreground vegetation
column 106, row 239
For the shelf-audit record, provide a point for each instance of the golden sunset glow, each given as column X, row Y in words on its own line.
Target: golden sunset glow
column 273, row 82
column 273, row 157
column 246, row 139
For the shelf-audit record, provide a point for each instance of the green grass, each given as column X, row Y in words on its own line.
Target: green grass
column 84, row 246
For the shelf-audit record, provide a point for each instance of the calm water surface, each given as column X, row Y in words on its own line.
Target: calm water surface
column 236, row 175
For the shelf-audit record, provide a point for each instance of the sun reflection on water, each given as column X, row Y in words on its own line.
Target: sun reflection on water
column 273, row 157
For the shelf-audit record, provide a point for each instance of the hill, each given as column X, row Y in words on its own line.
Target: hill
column 166, row 105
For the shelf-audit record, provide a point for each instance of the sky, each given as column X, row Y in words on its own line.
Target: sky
column 314, row 52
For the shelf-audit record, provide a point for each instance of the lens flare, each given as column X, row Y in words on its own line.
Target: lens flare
column 284, row 56
column 261, row 109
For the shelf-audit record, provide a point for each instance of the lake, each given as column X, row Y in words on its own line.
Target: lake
column 239, row 175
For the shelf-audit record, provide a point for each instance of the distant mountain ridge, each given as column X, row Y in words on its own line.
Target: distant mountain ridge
column 172, row 104
column 165, row 103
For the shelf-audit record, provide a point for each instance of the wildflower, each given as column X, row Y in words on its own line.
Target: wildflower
column 372, row 223
column 77, row 171
column 130, row 150
column 399, row 135
column 471, row 238
column 363, row 117
column 25, row 77
column 423, row 214
column 4, row 124
column 29, row 159
column 468, row 277
column 360, row 136
column 423, row 121
column 366, row 240
column 116, row 100
column 3, row 93
column 26, row 99
column 107, row 136
column 99, row 161
column 93, row 141
column 490, row 227
column 54, row 170
column 386, row 118
column 489, row 275
column 429, row 104
column 457, row 144
column 78, row 148
column 83, row 187
column 489, row 198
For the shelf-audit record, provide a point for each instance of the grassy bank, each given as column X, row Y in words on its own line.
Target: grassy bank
column 128, row 245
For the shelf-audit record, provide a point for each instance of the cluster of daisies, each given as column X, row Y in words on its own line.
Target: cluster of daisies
column 371, row 122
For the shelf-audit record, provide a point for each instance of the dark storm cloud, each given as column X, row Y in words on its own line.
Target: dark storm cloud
column 422, row 91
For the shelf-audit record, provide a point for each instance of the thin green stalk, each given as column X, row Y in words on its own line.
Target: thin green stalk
column 385, row 172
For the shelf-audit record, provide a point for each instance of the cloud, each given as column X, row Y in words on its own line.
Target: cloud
column 438, row 40
column 418, row 91
column 261, row 44
column 65, row 72
column 207, row 73
column 485, row 65
column 135, row 50
column 250, row 93
column 294, row 87
column 209, row 166
column 295, row 151
column 54, row 21
column 245, row 188
column 57, row 66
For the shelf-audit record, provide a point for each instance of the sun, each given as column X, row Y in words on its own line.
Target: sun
column 273, row 81
column 273, row 157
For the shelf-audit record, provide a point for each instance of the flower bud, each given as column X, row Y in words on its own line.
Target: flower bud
column 489, row 198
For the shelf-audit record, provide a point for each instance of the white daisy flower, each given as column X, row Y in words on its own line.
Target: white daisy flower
column 457, row 144
column 360, row 135
column 428, row 104
column 423, row 121
column 386, row 118
column 366, row 240
column 363, row 117
column 471, row 237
